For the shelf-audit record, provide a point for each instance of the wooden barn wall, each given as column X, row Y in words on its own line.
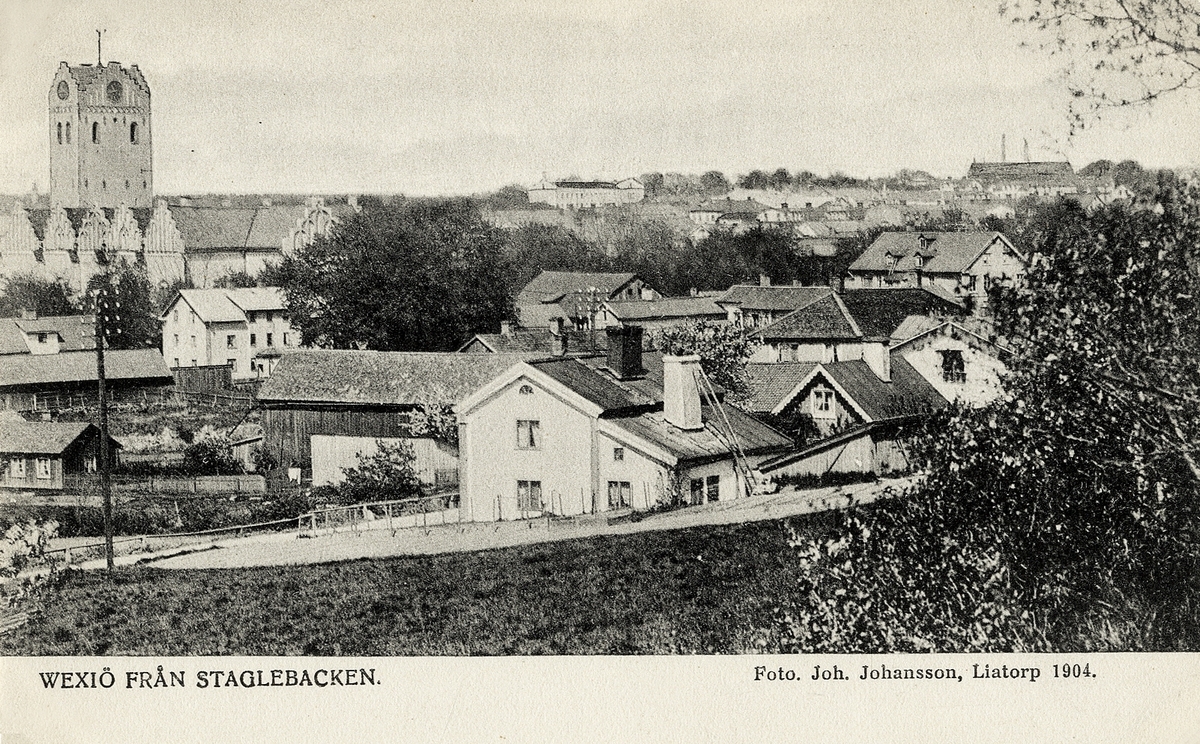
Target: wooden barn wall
column 204, row 379
column 287, row 432
column 874, row 452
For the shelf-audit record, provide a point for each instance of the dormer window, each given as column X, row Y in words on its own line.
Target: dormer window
column 919, row 261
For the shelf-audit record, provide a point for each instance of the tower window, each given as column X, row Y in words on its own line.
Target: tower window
column 60, row 139
column 103, row 184
column 133, row 133
column 127, row 183
column 68, row 132
column 95, row 132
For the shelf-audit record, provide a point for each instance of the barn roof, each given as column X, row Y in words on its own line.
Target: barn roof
column 381, row 378
column 120, row 365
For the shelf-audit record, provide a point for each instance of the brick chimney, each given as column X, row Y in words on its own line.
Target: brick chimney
column 558, row 337
column 764, row 280
column 625, row 351
column 681, row 392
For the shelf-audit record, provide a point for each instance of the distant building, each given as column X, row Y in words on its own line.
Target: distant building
column 581, row 194
column 246, row 329
column 576, row 296
column 963, row 265
column 1017, row 180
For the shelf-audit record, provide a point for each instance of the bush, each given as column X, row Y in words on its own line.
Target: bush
column 388, row 475
column 211, row 455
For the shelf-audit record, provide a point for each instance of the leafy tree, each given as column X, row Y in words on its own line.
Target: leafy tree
column 512, row 196
column 236, row 280
column 755, row 179
column 388, row 475
column 418, row 275
column 779, row 179
column 133, row 322
column 534, row 248
column 1063, row 516
column 46, row 297
column 724, row 351
column 1117, row 53
column 166, row 292
column 714, row 183
column 653, row 183
column 210, row 455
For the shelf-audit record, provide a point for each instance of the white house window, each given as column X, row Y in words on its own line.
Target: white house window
column 176, row 341
column 529, row 434
column 231, row 342
column 529, row 495
column 618, row 454
column 232, row 364
column 177, row 362
column 713, row 487
column 285, row 339
column 270, row 339
column 41, row 338
column 953, row 367
column 16, row 467
column 697, row 490
column 253, row 340
column 43, row 468
column 90, row 464
column 822, row 403
column 176, row 315
column 620, row 494
column 193, row 342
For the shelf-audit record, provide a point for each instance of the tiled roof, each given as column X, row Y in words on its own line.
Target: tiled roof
column 666, row 308
column 549, row 286
column 770, row 384
column 41, row 437
column 1039, row 172
column 539, row 340
column 125, row 365
column 237, row 228
column 385, row 378
column 74, row 331
column 825, row 319
column 754, row 436
column 907, row 393
column 784, row 297
column 596, row 386
column 880, row 311
column 946, row 253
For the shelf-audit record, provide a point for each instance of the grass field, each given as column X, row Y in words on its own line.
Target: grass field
column 701, row 590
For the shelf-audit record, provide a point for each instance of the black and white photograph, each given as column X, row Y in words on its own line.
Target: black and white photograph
column 852, row 345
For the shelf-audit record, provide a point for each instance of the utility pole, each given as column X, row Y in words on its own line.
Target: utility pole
column 106, row 309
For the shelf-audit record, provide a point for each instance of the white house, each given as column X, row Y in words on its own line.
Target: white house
column 582, row 436
column 247, row 329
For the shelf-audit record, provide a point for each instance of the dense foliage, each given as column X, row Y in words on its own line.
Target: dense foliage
column 46, row 297
column 133, row 320
column 1063, row 516
column 418, row 275
column 723, row 350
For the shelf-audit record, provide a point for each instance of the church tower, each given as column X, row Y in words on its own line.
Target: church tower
column 100, row 143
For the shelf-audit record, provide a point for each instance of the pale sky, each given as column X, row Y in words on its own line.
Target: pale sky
column 458, row 97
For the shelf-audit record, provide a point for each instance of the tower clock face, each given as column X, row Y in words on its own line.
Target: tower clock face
column 114, row 92
column 63, row 90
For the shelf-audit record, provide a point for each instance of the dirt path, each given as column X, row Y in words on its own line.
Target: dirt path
column 291, row 549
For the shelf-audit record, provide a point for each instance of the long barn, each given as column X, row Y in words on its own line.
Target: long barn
column 363, row 394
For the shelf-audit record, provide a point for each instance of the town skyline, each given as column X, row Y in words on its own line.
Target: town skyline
column 449, row 103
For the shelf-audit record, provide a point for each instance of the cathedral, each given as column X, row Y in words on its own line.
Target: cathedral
column 102, row 207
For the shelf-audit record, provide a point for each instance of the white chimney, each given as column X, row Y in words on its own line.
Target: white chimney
column 506, row 328
column 878, row 357
column 681, row 391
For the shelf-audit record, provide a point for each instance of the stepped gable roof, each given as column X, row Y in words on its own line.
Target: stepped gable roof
column 381, row 378
column 908, row 392
column 945, row 252
column 826, row 318
column 208, row 228
column 880, row 311
column 1039, row 172
column 783, row 297
column 42, row 437
column 667, row 308
column 120, row 365
column 38, row 219
column 551, row 286
column 754, row 436
column 770, row 384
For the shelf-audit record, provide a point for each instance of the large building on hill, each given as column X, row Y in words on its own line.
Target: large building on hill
column 100, row 142
column 582, row 194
